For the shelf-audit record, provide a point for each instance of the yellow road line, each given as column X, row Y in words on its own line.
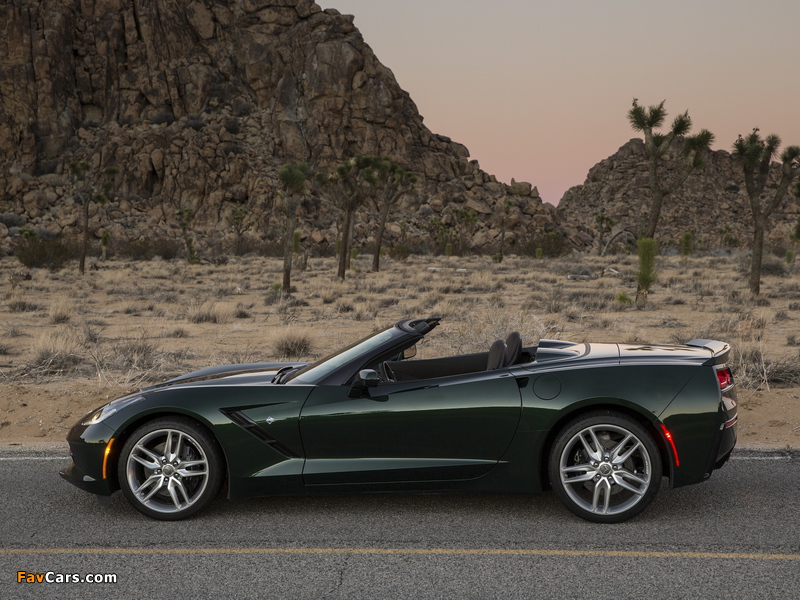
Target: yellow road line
column 399, row 551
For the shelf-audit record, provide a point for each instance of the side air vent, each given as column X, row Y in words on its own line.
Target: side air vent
column 253, row 428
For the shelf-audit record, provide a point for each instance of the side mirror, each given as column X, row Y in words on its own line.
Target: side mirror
column 367, row 378
column 409, row 353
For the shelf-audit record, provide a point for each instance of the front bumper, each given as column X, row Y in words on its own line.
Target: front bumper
column 87, row 483
column 87, row 445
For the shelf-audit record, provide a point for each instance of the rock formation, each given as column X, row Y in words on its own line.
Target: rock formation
column 712, row 203
column 199, row 102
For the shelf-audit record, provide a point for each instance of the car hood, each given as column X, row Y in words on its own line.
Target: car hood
column 246, row 371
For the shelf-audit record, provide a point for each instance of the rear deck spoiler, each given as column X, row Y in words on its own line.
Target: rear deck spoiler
column 719, row 350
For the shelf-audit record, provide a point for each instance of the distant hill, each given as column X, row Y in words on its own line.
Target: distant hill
column 198, row 103
column 713, row 202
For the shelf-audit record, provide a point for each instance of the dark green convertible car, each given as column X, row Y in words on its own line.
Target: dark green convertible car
column 600, row 424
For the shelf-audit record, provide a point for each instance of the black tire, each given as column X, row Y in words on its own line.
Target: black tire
column 170, row 468
column 605, row 467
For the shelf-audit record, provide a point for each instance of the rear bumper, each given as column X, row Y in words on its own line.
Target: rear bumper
column 729, row 424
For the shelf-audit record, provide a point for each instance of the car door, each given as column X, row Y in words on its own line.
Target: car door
column 426, row 430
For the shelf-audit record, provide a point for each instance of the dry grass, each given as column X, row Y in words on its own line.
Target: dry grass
column 200, row 315
column 57, row 352
column 61, row 310
column 18, row 304
column 210, row 312
column 293, row 343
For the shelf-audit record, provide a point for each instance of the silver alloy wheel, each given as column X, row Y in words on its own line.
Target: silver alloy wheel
column 167, row 471
column 605, row 469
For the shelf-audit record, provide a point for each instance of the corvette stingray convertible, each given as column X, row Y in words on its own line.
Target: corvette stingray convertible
column 600, row 424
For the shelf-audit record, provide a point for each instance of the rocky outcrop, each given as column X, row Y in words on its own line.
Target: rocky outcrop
column 712, row 203
column 199, row 102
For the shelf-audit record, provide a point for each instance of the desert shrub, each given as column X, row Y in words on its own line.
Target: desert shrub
column 623, row 299
column 240, row 312
column 329, row 295
column 38, row 253
column 167, row 248
column 781, row 315
column 753, row 370
column 550, row 243
column 57, row 352
column 208, row 313
column 92, row 333
column 399, row 252
column 178, row 332
column 343, row 306
column 138, row 249
column 554, row 300
column 772, row 265
column 134, row 355
column 60, row 311
column 590, row 301
column 292, row 343
column 566, row 266
column 18, row 304
column 145, row 249
column 11, row 330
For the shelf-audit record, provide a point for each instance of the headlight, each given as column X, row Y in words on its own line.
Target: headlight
column 102, row 413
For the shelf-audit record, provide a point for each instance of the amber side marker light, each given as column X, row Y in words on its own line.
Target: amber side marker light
column 105, row 456
column 668, row 435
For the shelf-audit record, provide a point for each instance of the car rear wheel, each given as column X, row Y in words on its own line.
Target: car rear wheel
column 170, row 469
column 605, row 467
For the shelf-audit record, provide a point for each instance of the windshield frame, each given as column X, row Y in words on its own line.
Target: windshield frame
column 321, row 370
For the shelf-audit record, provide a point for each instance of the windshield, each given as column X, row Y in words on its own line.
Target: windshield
column 318, row 370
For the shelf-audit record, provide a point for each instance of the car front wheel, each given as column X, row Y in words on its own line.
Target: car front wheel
column 170, row 469
column 605, row 467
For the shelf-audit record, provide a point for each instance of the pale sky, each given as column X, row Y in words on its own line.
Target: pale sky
column 539, row 90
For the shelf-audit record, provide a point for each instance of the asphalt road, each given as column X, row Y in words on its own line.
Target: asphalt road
column 735, row 536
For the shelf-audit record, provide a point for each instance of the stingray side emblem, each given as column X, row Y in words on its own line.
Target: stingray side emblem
column 270, row 420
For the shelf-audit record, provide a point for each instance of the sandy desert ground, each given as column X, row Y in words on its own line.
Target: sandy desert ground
column 68, row 342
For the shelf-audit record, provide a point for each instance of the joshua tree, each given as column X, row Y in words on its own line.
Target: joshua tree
column 240, row 221
column 755, row 156
column 348, row 187
column 86, row 192
column 293, row 178
column 646, row 276
column 185, row 217
column 656, row 145
column 604, row 226
column 396, row 182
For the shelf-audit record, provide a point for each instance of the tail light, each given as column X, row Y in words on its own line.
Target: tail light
column 725, row 378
